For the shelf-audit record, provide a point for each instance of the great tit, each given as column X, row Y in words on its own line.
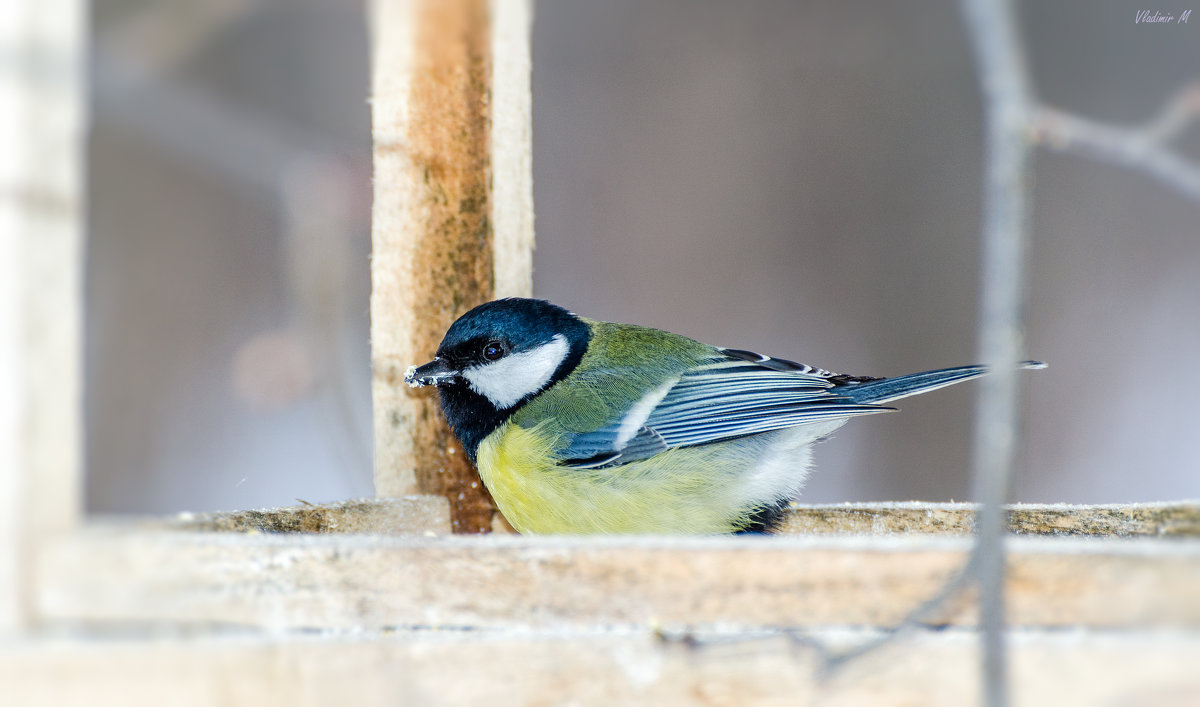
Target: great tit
column 583, row 426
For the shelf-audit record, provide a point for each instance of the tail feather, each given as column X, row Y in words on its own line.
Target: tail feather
column 888, row 389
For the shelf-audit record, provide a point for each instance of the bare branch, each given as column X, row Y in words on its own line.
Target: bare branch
column 1142, row 149
column 1008, row 99
column 1180, row 112
column 1016, row 123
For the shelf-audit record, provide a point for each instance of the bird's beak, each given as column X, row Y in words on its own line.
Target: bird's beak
column 435, row 372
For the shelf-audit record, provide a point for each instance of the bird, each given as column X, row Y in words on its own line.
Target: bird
column 579, row 426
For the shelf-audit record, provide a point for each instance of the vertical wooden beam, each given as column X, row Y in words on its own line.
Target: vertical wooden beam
column 41, row 207
column 512, row 148
column 453, row 223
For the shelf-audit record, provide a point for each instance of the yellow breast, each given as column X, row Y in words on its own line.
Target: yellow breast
column 691, row 490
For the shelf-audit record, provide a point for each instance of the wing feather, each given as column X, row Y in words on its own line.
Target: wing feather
column 732, row 396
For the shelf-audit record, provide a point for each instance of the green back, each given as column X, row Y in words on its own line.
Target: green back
column 623, row 363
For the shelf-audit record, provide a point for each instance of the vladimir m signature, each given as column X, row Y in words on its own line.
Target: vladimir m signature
column 1154, row 17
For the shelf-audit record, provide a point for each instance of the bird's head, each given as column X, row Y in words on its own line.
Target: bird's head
column 497, row 356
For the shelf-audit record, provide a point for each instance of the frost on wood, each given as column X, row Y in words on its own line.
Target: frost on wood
column 417, row 515
column 1127, row 520
column 403, row 515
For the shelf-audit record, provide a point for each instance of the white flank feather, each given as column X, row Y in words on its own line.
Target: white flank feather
column 639, row 412
column 781, row 471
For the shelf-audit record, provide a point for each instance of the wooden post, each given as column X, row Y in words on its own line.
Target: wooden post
column 453, row 216
column 41, row 116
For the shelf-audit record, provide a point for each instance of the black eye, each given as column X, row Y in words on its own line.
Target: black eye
column 493, row 350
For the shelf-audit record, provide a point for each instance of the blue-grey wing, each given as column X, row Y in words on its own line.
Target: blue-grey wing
column 737, row 394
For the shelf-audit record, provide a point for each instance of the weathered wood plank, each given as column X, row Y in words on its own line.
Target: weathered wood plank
column 426, row 668
column 1181, row 518
column 512, row 147
column 452, row 219
column 286, row 581
column 402, row 515
column 42, row 98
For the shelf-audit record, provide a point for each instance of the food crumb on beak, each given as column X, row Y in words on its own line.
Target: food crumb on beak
column 408, row 377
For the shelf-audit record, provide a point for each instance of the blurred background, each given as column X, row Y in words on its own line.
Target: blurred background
column 800, row 180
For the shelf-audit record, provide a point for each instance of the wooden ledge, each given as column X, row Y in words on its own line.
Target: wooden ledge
column 403, row 515
column 285, row 581
column 1177, row 518
column 422, row 515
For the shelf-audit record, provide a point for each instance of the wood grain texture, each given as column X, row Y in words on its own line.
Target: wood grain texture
column 372, row 582
column 512, row 147
column 399, row 515
column 1166, row 519
column 929, row 669
column 449, row 232
column 1180, row 518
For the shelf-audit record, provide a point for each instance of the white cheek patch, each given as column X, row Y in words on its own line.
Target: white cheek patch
column 515, row 376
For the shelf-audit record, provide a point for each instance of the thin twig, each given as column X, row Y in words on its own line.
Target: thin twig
column 1142, row 149
column 1016, row 122
column 1008, row 102
column 1180, row 112
column 919, row 617
column 829, row 661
